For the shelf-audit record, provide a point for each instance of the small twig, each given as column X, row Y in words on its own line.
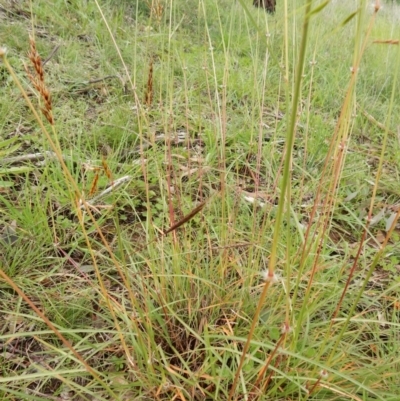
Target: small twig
column 388, row 41
column 33, row 157
column 85, row 86
column 92, row 81
column 52, row 53
column 372, row 120
column 30, row 157
column 112, row 187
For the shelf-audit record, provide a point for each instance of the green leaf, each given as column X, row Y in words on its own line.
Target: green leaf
column 274, row 333
column 9, row 150
column 349, row 18
column 7, row 142
column 6, row 184
column 319, row 8
column 15, row 170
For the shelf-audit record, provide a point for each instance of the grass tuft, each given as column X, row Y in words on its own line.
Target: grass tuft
column 199, row 200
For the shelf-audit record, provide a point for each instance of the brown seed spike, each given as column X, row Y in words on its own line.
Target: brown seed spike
column 48, row 115
column 39, row 68
column 37, row 80
column 93, row 188
column 46, row 97
column 148, row 97
column 106, row 169
column 186, row 218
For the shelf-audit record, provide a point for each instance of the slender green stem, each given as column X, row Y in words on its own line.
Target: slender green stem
column 291, row 131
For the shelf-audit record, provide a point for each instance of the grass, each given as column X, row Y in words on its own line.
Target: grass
column 246, row 247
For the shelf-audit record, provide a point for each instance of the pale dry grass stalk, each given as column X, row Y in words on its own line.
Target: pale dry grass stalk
column 37, row 79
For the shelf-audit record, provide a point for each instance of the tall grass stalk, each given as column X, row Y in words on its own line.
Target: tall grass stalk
column 162, row 290
column 284, row 198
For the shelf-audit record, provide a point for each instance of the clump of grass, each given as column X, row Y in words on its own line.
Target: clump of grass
column 247, row 165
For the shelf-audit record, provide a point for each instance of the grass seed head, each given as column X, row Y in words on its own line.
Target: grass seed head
column 272, row 278
column 37, row 80
column 323, row 374
column 36, row 60
column 286, row 329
